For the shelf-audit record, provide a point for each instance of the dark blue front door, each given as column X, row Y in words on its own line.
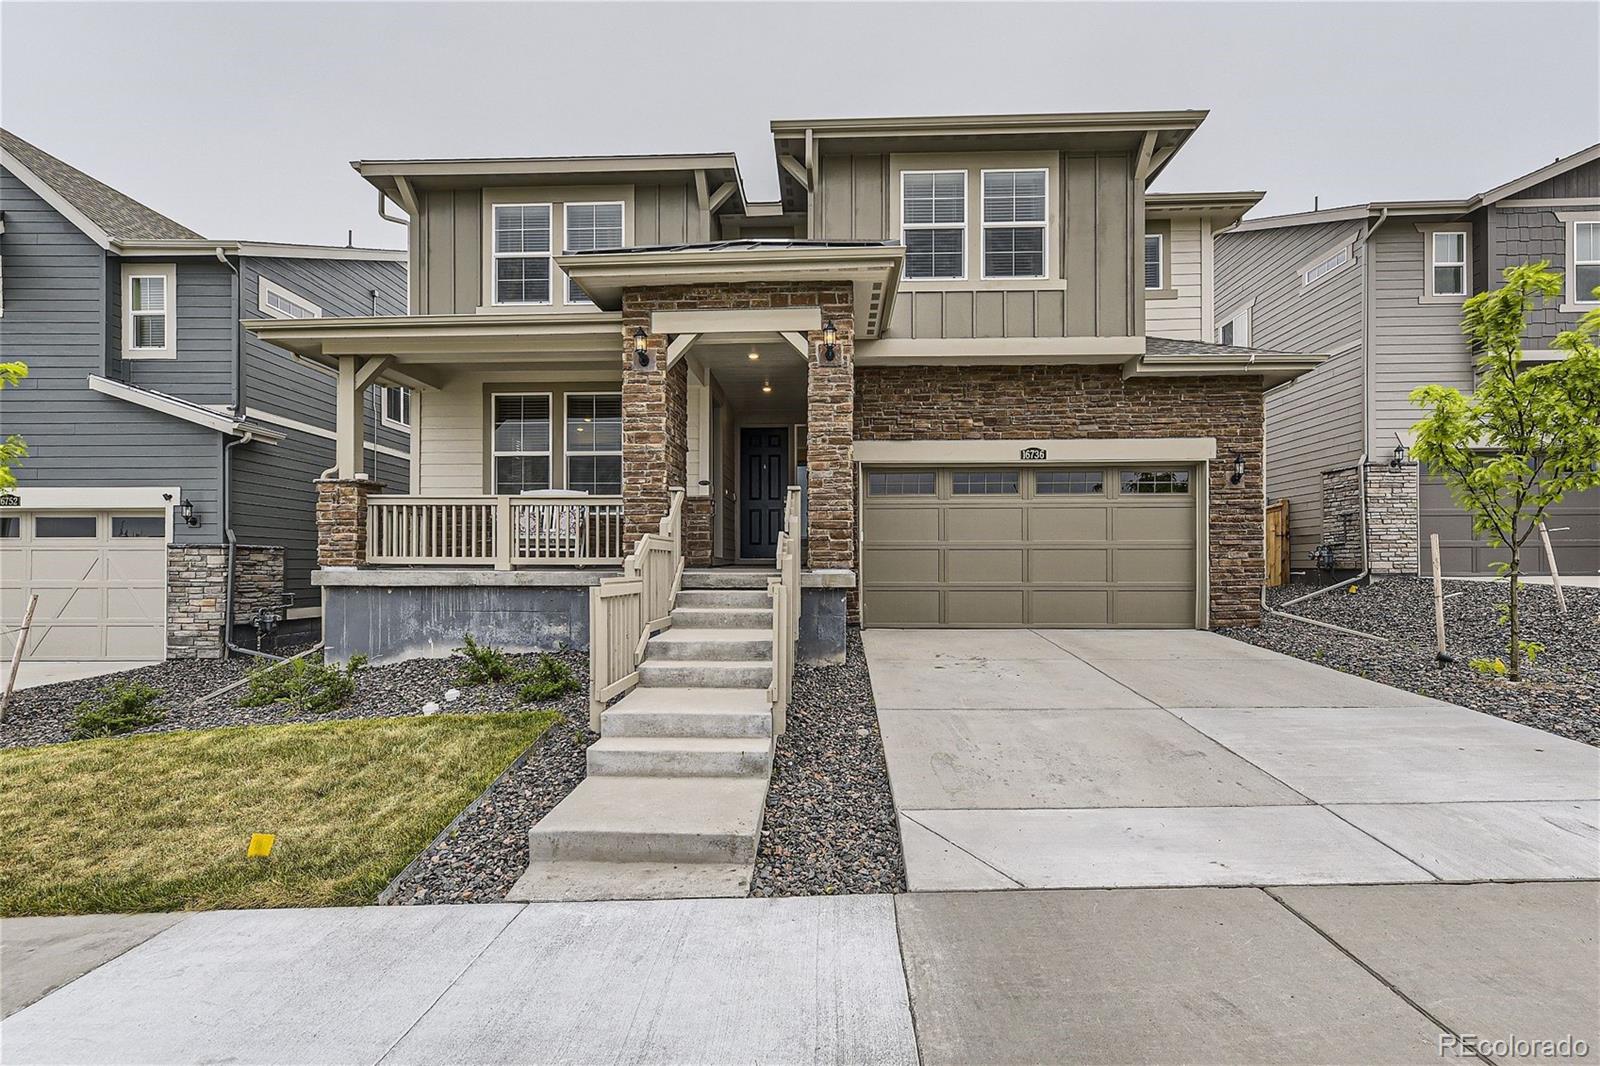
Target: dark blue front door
column 763, row 477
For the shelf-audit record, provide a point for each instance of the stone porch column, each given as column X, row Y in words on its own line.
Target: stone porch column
column 655, row 417
column 830, row 436
column 342, row 520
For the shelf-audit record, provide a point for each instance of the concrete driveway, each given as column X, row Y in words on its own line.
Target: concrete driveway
column 1138, row 758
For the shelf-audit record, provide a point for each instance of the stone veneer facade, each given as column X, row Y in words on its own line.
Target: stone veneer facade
column 342, row 520
column 1392, row 519
column 197, row 584
column 1341, row 518
column 1066, row 402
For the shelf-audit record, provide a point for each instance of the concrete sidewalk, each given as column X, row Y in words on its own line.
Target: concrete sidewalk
column 1326, row 974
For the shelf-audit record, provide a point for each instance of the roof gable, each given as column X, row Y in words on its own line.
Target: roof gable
column 115, row 215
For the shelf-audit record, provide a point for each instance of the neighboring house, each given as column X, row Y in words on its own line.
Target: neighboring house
column 157, row 428
column 1380, row 286
column 978, row 343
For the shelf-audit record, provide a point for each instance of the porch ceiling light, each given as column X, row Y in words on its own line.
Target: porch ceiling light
column 754, row 355
column 766, row 386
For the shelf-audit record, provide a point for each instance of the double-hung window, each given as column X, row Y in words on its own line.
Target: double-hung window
column 1014, row 220
column 933, row 221
column 590, row 227
column 521, row 443
column 594, row 443
column 522, row 253
column 397, row 407
column 148, row 301
column 1585, row 262
column 1447, row 273
column 1152, row 261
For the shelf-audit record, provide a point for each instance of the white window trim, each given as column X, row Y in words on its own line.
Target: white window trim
column 1573, row 301
column 1240, row 317
column 622, row 207
column 1428, row 229
column 984, row 225
column 549, row 451
column 1463, row 262
column 383, row 408
column 567, row 454
column 1161, row 265
column 966, row 213
column 266, row 285
column 495, row 255
column 168, row 271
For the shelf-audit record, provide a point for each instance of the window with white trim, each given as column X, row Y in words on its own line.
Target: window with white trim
column 149, row 310
column 1447, row 263
column 590, row 227
column 933, row 223
column 1236, row 330
column 594, row 442
column 396, row 407
column 278, row 302
column 521, row 241
column 1014, row 221
column 1152, row 261
column 1585, row 262
column 520, row 448
column 1325, row 266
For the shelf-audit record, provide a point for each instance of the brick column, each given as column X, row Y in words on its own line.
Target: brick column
column 655, row 428
column 697, row 538
column 342, row 520
column 1392, row 524
column 830, row 437
column 1341, row 516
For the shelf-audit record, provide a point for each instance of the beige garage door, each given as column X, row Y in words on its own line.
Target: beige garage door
column 101, row 577
column 1031, row 546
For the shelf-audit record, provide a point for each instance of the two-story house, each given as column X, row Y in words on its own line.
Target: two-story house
column 977, row 344
column 1380, row 287
column 171, row 453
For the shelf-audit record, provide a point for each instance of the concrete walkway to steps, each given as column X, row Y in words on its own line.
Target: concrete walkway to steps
column 1311, row 974
column 1125, row 758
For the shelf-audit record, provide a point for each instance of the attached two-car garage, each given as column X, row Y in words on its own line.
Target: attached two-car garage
column 1030, row 545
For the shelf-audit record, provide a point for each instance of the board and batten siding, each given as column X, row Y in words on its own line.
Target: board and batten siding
column 1181, row 315
column 1314, row 423
column 447, row 237
column 59, row 322
column 1095, row 250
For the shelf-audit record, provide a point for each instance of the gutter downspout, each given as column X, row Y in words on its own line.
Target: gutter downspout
column 1366, row 569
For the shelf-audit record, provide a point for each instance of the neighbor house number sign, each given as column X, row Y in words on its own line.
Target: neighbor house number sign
column 1032, row 453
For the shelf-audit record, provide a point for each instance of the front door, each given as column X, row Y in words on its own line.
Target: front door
column 764, row 475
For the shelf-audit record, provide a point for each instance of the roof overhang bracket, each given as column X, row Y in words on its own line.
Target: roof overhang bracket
column 796, row 170
column 680, row 347
column 721, row 196
column 1147, row 147
column 370, row 368
column 798, row 342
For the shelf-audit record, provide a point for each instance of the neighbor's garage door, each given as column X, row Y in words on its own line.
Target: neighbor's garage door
column 1574, row 526
column 1110, row 546
column 101, row 579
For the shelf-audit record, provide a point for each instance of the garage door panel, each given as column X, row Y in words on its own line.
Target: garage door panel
column 1065, row 566
column 1069, row 524
column 967, row 525
column 900, row 524
column 1070, row 607
column 139, row 564
column 82, row 604
column 1574, row 526
column 984, row 607
column 67, row 641
column 900, row 566
column 67, row 566
column 1159, row 566
column 1154, row 607
column 984, row 565
column 134, row 642
column 905, row 607
column 1153, row 522
column 127, row 604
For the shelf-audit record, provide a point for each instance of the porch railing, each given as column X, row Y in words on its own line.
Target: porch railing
column 785, row 590
column 498, row 531
column 625, row 611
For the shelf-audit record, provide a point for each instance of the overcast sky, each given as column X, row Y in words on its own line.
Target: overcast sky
column 239, row 119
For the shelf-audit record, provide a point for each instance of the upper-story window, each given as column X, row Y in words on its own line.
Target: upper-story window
column 590, row 227
column 1585, row 262
column 1235, row 330
column 1014, row 222
column 278, row 302
column 397, row 407
column 522, row 253
column 933, row 218
column 1324, row 266
column 1447, row 266
column 1152, row 261
column 149, row 307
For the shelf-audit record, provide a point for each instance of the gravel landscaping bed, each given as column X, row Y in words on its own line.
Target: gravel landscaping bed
column 44, row 715
column 830, row 824
column 1560, row 693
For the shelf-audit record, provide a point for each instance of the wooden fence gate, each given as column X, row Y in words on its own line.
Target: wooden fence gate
column 1277, row 543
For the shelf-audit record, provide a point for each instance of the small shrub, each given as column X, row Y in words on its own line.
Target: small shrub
column 1495, row 667
column 306, row 687
column 121, row 707
column 549, row 678
column 1530, row 650
column 486, row 664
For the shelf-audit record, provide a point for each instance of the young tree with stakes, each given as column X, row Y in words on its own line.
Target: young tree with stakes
column 1527, row 435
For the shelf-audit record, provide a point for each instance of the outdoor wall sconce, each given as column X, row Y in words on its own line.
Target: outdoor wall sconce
column 830, row 343
column 642, row 359
column 186, row 510
column 1238, row 469
column 1398, row 459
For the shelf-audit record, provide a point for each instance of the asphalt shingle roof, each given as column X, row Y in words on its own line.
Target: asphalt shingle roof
column 1173, row 346
column 121, row 216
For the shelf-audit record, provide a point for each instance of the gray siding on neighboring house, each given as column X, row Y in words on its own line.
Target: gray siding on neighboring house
column 1519, row 235
column 57, row 284
column 1315, row 422
column 206, row 329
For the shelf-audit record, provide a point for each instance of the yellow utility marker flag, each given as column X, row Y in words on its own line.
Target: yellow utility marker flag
column 260, row 845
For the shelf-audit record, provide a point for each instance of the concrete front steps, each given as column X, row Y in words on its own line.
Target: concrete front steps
column 677, row 782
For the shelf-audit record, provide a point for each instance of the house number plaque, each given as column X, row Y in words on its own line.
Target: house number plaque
column 1032, row 453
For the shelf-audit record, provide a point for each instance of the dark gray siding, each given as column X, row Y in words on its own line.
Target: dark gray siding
column 57, row 284
column 204, row 369
column 1580, row 182
column 1313, row 423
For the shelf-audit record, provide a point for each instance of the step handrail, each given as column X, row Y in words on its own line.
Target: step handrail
column 627, row 610
column 785, row 591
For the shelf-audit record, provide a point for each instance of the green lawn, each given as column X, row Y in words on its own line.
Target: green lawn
column 161, row 822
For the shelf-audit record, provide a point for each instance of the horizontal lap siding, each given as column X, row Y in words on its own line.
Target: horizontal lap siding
column 206, row 326
column 1314, row 423
column 1415, row 343
column 1183, row 316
